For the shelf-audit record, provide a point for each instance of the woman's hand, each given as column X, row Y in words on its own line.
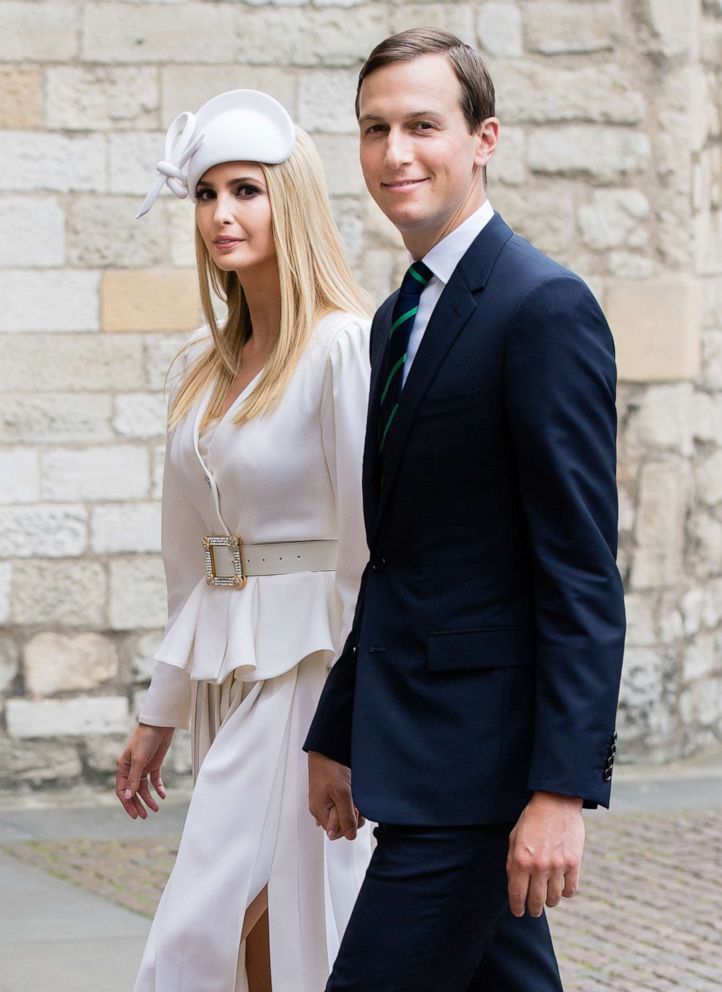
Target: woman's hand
column 140, row 763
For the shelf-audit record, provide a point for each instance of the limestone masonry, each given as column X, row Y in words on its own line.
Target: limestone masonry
column 610, row 160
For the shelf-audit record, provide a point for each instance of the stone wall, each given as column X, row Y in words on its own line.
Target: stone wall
column 611, row 161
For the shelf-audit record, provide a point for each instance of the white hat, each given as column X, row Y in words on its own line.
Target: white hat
column 237, row 126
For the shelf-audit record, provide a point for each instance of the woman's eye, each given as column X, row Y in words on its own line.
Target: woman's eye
column 204, row 194
column 246, row 191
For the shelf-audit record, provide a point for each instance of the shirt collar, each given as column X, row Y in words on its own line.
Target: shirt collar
column 447, row 253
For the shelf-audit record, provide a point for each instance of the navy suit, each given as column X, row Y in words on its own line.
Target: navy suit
column 486, row 650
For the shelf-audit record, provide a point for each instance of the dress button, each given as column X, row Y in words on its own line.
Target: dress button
column 207, row 481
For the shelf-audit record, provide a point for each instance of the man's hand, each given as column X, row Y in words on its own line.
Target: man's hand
column 329, row 797
column 140, row 762
column 545, row 853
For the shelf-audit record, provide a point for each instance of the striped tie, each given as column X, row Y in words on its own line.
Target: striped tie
column 416, row 279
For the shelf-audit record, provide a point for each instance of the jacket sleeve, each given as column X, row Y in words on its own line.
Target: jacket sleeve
column 343, row 421
column 559, row 390
column 168, row 699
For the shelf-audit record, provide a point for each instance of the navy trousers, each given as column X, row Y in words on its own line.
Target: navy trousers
column 433, row 916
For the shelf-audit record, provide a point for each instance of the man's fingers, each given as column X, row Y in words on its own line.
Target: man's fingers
column 555, row 887
column 332, row 824
column 346, row 814
column 537, row 894
column 518, row 888
column 571, row 882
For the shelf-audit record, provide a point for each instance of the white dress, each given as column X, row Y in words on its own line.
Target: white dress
column 247, row 666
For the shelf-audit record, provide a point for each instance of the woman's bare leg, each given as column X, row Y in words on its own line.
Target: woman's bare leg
column 258, row 957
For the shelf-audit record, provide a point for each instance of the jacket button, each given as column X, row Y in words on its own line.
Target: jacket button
column 378, row 564
column 354, row 652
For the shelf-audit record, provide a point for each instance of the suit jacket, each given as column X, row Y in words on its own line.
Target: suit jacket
column 486, row 650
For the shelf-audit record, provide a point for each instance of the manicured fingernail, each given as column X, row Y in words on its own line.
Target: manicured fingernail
column 128, row 794
column 161, row 791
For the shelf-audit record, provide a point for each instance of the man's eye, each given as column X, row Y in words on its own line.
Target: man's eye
column 424, row 126
column 375, row 129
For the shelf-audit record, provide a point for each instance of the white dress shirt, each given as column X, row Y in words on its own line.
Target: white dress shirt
column 442, row 260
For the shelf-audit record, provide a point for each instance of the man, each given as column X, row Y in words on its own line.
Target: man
column 474, row 701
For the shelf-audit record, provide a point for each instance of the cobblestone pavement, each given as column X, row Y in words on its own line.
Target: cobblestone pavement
column 647, row 918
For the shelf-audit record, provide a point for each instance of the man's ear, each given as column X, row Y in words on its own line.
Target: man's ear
column 488, row 134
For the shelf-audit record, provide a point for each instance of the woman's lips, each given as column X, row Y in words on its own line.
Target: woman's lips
column 225, row 244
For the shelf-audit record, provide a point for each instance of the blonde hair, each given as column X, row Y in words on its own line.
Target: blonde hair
column 314, row 277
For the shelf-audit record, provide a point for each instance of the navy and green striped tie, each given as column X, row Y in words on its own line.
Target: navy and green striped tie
column 416, row 279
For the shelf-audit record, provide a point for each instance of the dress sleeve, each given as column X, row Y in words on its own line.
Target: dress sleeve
column 343, row 425
column 168, row 699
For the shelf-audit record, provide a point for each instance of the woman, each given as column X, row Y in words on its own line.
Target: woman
column 263, row 548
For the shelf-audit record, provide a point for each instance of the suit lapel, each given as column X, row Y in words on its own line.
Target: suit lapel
column 451, row 314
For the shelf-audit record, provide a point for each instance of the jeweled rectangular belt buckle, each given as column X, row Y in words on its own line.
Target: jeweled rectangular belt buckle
column 224, row 561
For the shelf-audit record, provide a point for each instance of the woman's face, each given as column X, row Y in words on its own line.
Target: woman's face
column 233, row 214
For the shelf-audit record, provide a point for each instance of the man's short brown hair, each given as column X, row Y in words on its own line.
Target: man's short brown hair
column 477, row 89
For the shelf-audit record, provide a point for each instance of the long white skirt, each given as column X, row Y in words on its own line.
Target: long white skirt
column 248, row 826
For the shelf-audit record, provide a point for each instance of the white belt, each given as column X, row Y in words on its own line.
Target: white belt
column 229, row 562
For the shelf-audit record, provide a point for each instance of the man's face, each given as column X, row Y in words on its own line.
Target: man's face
column 421, row 165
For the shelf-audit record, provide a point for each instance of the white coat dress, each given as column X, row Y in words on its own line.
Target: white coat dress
column 247, row 666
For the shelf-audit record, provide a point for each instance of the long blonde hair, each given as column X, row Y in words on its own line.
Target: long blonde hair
column 314, row 277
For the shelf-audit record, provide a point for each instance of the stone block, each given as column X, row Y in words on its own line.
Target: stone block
column 156, row 32
column 92, row 363
column 613, row 218
column 157, row 464
column 349, row 220
column 708, row 479
column 543, row 216
column 712, row 606
column 382, row 271
column 627, row 265
column 20, row 476
column 32, row 233
column 149, row 300
column 140, row 415
column 703, row 417
column 99, row 98
column 640, row 620
column 6, row 573
column 9, row 658
column 339, row 154
column 62, row 593
column 101, row 753
column 56, row 662
column 21, row 97
column 702, row 703
column 378, row 230
column 707, row 242
column 313, row 37
column 645, row 707
column 160, row 351
column 142, row 662
column 712, row 359
column 537, row 93
column 137, row 593
column 701, row 658
column 54, row 418
column 606, row 154
column 326, row 101
column 187, row 87
column 692, row 609
column 38, row 32
column 554, row 28
column 509, row 163
column 705, row 552
column 41, row 531
column 77, row 717
column 132, row 157
column 111, row 472
column 662, row 420
column 675, row 27
column 656, row 328
column 660, row 526
column 103, row 231
column 182, row 228
column 51, row 162
column 123, row 527
column 457, row 18
column 36, row 763
column 62, row 300
column 498, row 28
